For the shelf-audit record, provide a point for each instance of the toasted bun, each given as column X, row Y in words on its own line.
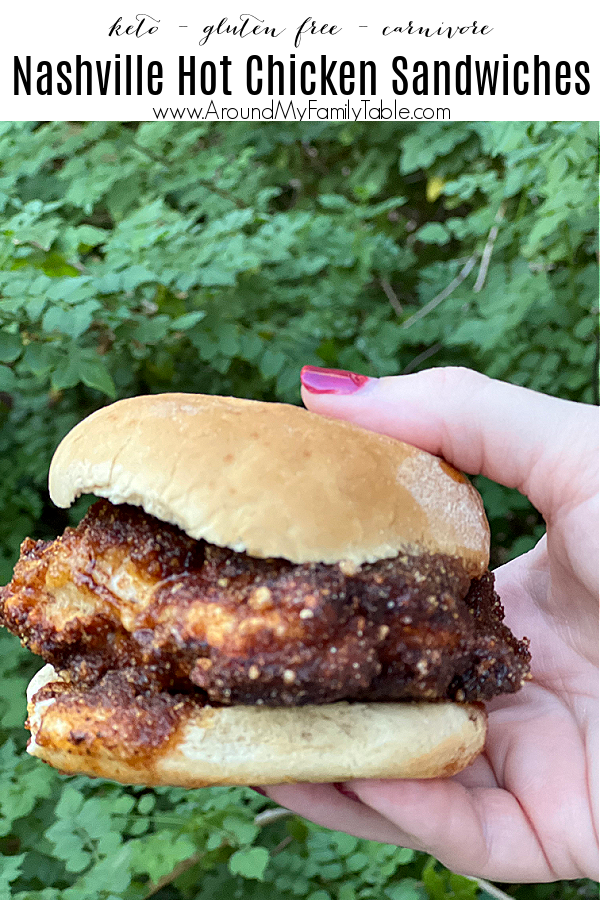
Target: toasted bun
column 251, row 744
column 272, row 480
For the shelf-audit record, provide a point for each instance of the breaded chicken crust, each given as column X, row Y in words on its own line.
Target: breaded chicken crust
column 124, row 591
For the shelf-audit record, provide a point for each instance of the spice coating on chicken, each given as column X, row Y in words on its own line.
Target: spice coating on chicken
column 126, row 591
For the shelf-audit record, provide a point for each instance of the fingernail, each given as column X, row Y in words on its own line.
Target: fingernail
column 258, row 790
column 331, row 381
column 341, row 787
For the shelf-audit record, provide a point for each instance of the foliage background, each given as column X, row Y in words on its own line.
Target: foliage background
column 220, row 258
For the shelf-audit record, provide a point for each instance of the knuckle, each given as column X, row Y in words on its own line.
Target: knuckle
column 456, row 379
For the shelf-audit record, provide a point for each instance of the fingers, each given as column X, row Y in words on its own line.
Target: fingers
column 479, row 831
column 514, row 436
column 514, row 815
column 323, row 804
column 475, row 831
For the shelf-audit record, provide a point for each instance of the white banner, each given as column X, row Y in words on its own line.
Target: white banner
column 151, row 60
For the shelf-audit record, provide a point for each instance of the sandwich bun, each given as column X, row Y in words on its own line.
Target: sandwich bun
column 246, row 745
column 272, row 480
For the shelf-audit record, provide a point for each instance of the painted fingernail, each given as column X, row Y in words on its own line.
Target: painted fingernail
column 341, row 787
column 331, row 381
column 258, row 790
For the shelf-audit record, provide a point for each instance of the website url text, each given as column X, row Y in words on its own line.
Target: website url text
column 357, row 111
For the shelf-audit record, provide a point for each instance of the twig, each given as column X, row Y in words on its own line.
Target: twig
column 266, row 817
column 271, row 815
column 388, row 290
column 439, row 298
column 75, row 264
column 221, row 192
column 491, row 889
column 281, row 845
column 179, row 869
column 35, row 244
column 149, row 153
column 313, row 155
column 488, row 249
column 421, row 358
column 209, row 185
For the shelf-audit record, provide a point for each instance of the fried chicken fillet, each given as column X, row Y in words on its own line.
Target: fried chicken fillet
column 127, row 593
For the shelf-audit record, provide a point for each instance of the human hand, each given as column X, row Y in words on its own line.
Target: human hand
column 526, row 809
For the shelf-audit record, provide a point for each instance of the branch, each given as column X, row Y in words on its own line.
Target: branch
column 492, row 890
column 487, row 252
column 209, row 185
column 266, row 817
column 221, row 192
column 313, row 155
column 272, row 815
column 149, row 153
column 77, row 265
column 35, row 244
column 412, row 365
column 388, row 290
column 443, row 294
column 281, row 845
column 170, row 877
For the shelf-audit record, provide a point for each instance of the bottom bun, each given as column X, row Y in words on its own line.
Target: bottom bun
column 162, row 740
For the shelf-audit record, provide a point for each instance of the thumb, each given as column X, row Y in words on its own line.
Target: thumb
column 515, row 436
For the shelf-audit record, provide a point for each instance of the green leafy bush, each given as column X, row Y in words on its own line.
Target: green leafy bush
column 220, row 258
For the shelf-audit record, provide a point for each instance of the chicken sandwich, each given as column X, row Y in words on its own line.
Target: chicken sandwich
column 262, row 595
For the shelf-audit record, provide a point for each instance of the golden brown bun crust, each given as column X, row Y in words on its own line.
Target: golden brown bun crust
column 273, row 480
column 249, row 744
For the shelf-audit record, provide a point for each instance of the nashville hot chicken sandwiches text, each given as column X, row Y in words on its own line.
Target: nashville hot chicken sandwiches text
column 264, row 595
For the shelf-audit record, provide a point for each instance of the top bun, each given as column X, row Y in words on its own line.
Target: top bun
column 272, row 480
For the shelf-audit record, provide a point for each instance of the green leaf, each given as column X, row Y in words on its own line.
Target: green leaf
column 72, row 321
column 335, row 201
column 251, row 345
column 8, row 381
column 227, row 336
column 151, row 331
column 93, row 372
column 250, row 862
column 357, row 862
column 156, row 855
column 136, row 275
column 407, row 889
column 11, row 867
column 345, row 843
column 10, row 347
column 433, row 233
column 244, row 830
column 89, row 235
column 66, row 374
column 182, row 323
column 462, row 887
column 69, row 846
column 271, row 363
column 146, row 804
column 39, row 358
column 346, row 892
column 297, row 828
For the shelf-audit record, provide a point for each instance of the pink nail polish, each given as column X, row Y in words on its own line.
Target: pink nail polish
column 331, row 381
column 342, row 789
